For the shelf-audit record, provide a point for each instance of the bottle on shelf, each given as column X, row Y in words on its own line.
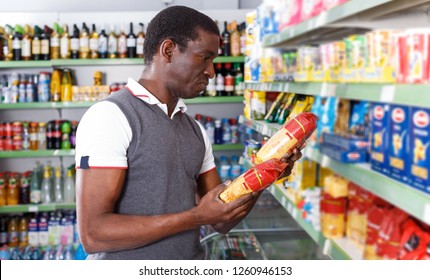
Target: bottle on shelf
column 226, row 40
column 234, row 131
column 46, row 186
column 50, row 135
column 74, row 127
column 122, row 43
column 211, row 87
column 12, row 232
column 74, row 43
column 45, row 41
column 112, row 43
column 7, row 43
column 36, row 43
column 65, row 43
column 69, row 187
column 238, row 79
column 235, row 40
column 65, row 135
column 58, row 186
column 24, row 188
column 56, row 135
column 55, row 42
column 242, row 32
column 35, row 191
column 84, row 44
column 33, row 233
column 140, row 40
column 33, row 132
column 210, row 129
column 94, row 43
column 26, row 43
column 219, row 80
column 3, row 188
column 131, row 43
column 236, row 168
column 13, row 189
column 56, row 85
column 224, row 169
column 228, row 80
column 22, row 231
column 218, row 132
column 41, row 136
column 226, row 131
column 103, row 43
column 66, row 86
column 3, row 231
column 1, row 42
column 17, row 43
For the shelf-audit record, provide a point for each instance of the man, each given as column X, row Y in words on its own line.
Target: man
column 146, row 178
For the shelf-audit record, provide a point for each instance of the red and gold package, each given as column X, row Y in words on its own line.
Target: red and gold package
column 333, row 216
column 254, row 179
column 292, row 135
column 390, row 234
column 417, row 50
column 413, row 242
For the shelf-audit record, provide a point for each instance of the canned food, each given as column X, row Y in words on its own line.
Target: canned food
column 7, row 143
column 17, row 143
column 16, row 128
column 7, row 130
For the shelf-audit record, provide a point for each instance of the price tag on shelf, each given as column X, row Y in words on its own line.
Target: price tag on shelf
column 265, row 130
column 328, row 90
column 311, row 24
column 33, row 208
column 321, row 19
column 326, row 247
column 290, row 208
column 286, row 87
column 283, row 201
column 426, row 216
column 272, row 189
column 387, row 93
column 325, row 161
column 291, row 32
column 294, row 213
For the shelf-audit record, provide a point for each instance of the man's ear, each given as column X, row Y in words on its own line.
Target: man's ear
column 166, row 50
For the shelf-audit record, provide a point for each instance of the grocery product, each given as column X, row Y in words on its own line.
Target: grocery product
column 292, row 135
column 254, row 179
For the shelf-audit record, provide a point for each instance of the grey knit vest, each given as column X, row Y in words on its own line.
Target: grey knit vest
column 164, row 159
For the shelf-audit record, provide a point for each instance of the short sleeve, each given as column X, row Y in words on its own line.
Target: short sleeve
column 103, row 137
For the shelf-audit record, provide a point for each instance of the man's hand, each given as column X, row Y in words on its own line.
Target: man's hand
column 296, row 155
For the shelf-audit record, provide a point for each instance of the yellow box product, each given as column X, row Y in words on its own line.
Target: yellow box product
column 303, row 176
column 247, row 106
column 258, row 105
column 332, row 216
column 336, row 186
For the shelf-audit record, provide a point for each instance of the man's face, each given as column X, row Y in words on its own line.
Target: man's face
column 190, row 70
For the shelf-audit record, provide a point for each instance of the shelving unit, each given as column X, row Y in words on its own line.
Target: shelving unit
column 10, row 209
column 95, row 62
column 406, row 94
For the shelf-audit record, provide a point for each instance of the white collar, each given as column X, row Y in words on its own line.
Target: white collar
column 139, row 91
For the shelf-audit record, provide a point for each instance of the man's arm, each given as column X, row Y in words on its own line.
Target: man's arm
column 102, row 230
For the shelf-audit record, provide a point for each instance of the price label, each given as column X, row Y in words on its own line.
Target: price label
column 311, row 24
column 426, row 216
column 265, row 130
column 294, row 213
column 321, row 19
column 286, row 87
column 272, row 189
column 325, row 161
column 387, row 93
column 328, row 90
column 326, row 247
column 290, row 208
column 283, row 201
column 33, row 208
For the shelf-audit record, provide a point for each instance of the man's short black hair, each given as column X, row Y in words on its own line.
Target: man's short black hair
column 178, row 23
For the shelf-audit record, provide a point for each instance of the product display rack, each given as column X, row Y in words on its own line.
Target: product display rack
column 96, row 62
column 405, row 94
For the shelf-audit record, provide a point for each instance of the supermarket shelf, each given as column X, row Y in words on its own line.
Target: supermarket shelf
column 261, row 127
column 95, row 62
column 406, row 94
column 86, row 104
column 9, row 209
column 316, row 28
column 410, row 200
column 41, row 153
column 342, row 249
column 227, row 147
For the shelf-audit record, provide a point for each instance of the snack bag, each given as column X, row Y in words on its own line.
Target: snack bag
column 254, row 179
column 292, row 135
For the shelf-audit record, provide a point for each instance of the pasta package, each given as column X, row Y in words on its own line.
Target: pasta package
column 255, row 179
column 292, row 135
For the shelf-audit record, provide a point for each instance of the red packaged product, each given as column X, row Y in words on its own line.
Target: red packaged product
column 292, row 135
column 254, row 179
column 413, row 241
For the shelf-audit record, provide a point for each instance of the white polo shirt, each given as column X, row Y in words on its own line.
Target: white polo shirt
column 104, row 134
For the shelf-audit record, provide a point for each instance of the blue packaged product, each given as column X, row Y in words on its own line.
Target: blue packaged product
column 419, row 149
column 359, row 121
column 379, row 137
column 347, row 142
column 398, row 140
column 344, row 156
